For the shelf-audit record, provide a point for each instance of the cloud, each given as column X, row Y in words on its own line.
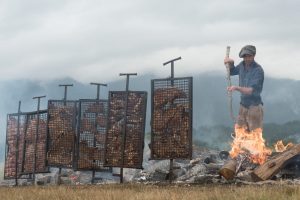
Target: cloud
column 88, row 40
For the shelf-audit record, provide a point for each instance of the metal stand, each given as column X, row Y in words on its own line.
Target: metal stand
column 172, row 84
column 17, row 145
column 65, row 103
column 36, row 135
column 125, row 122
column 66, row 89
column 97, row 98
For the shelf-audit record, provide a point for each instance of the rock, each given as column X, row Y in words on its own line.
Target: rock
column 195, row 161
column 43, row 180
column 194, row 171
column 65, row 181
column 245, row 176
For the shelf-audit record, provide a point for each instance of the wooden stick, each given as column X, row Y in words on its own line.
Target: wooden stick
column 229, row 84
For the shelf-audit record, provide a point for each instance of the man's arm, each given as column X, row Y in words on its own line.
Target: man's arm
column 243, row 90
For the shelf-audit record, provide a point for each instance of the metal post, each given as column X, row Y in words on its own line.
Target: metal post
column 36, row 133
column 125, row 121
column 98, row 88
column 66, row 90
column 127, row 78
column 172, row 65
column 17, row 145
column 97, row 98
column 172, row 84
column 24, row 145
column 65, row 103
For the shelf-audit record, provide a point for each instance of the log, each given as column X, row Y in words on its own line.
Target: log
column 273, row 166
column 229, row 169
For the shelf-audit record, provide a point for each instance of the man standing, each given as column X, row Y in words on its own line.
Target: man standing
column 251, row 79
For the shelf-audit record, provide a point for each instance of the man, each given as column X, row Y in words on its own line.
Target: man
column 251, row 79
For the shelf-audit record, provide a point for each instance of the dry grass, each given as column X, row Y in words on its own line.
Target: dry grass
column 147, row 192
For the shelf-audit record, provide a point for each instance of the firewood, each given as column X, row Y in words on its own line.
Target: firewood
column 229, row 169
column 272, row 166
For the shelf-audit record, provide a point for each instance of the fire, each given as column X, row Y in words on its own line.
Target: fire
column 280, row 147
column 250, row 143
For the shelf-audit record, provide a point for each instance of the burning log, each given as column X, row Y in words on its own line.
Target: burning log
column 251, row 143
column 273, row 166
column 233, row 166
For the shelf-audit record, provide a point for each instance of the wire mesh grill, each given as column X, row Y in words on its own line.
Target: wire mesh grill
column 92, row 135
column 131, row 156
column 61, row 133
column 14, row 145
column 171, row 118
column 35, row 143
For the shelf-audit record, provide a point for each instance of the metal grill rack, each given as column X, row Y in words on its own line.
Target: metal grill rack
column 25, row 144
column 61, row 133
column 91, row 134
column 126, row 128
column 14, row 145
column 171, row 130
column 135, row 129
column 171, row 118
column 34, row 153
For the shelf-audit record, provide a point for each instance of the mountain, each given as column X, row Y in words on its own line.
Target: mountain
column 210, row 102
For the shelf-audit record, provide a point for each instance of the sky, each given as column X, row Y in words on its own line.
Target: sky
column 91, row 40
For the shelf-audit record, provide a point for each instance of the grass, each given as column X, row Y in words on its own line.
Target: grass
column 149, row 192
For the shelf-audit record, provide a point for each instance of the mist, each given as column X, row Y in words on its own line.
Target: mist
column 210, row 102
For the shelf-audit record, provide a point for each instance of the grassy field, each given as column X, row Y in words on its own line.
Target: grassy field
column 147, row 192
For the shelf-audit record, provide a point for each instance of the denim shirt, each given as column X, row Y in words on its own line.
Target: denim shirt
column 252, row 77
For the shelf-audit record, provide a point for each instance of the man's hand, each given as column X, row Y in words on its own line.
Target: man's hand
column 232, row 88
column 229, row 61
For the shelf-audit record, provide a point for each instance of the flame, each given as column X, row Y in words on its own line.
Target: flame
column 250, row 143
column 280, row 147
